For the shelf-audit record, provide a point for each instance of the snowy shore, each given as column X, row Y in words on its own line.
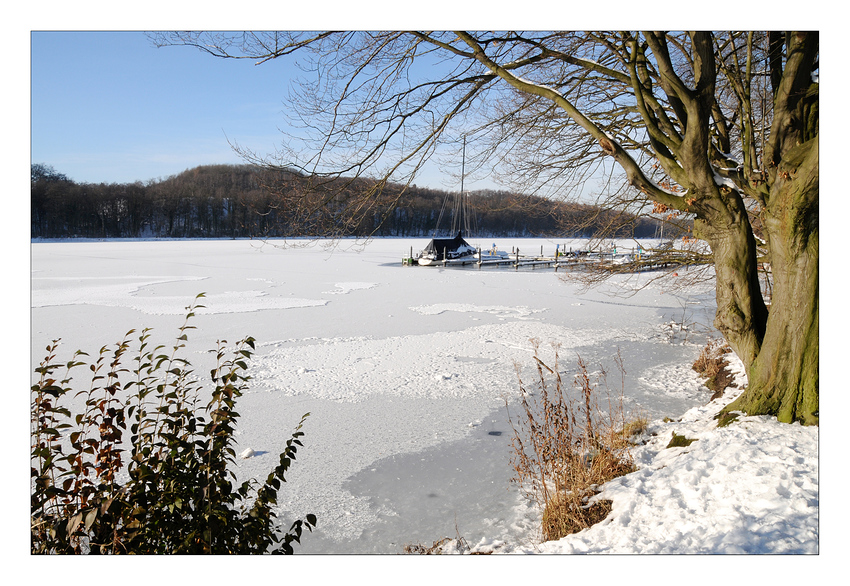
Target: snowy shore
column 747, row 488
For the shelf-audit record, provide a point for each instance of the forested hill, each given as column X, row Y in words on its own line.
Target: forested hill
column 237, row 201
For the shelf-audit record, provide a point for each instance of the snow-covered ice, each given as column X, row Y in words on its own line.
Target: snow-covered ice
column 406, row 372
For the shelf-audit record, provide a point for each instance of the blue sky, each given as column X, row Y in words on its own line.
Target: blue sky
column 111, row 107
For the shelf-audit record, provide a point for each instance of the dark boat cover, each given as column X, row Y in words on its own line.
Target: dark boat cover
column 447, row 246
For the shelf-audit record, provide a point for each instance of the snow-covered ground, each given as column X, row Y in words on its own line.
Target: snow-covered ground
column 406, row 372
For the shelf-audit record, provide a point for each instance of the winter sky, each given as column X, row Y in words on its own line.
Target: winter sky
column 112, row 107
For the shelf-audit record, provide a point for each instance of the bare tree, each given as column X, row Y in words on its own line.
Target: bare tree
column 722, row 127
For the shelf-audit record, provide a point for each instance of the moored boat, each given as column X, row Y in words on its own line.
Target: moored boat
column 439, row 250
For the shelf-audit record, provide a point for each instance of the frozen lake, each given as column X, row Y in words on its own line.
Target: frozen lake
column 405, row 370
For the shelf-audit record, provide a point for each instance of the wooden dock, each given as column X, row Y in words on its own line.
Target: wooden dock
column 626, row 261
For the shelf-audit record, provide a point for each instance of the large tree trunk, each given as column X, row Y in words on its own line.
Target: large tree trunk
column 783, row 377
column 741, row 312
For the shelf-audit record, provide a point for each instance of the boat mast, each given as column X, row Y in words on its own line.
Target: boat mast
column 462, row 218
column 467, row 212
column 459, row 220
column 463, row 164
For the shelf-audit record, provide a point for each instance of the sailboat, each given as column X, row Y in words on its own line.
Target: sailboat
column 442, row 250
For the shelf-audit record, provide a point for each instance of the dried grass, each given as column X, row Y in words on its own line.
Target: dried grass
column 435, row 549
column 441, row 546
column 446, row 545
column 566, row 446
column 713, row 367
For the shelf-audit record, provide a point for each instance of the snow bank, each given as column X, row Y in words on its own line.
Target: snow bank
column 750, row 487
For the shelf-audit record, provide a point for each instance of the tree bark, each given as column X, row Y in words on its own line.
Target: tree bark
column 784, row 376
column 741, row 312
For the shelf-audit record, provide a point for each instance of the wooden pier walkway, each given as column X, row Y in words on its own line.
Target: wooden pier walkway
column 631, row 261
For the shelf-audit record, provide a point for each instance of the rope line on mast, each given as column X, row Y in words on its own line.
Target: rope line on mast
column 463, row 216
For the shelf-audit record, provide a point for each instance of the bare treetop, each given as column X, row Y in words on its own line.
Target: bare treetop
column 719, row 126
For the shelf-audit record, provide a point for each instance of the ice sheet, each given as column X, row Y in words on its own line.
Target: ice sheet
column 402, row 368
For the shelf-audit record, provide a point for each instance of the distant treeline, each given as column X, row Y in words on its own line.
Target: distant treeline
column 238, row 201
